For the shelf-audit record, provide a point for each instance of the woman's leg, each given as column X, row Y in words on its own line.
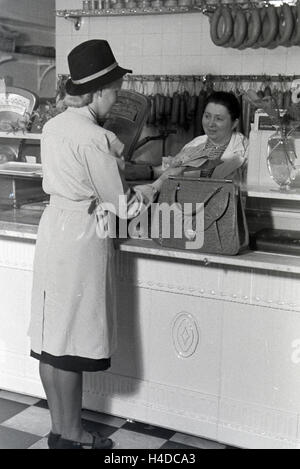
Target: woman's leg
column 70, row 388
column 48, row 376
column 64, row 395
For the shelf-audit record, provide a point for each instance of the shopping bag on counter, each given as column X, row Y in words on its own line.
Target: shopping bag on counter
column 206, row 215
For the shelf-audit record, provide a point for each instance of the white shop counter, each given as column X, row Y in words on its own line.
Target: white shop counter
column 208, row 345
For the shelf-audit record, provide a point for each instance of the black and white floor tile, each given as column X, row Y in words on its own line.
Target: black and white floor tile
column 25, row 423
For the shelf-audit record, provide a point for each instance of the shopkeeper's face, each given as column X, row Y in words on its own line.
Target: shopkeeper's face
column 106, row 98
column 217, row 123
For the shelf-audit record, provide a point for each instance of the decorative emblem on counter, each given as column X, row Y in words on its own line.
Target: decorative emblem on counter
column 185, row 334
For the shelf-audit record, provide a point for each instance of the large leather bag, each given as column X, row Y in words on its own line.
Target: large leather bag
column 224, row 230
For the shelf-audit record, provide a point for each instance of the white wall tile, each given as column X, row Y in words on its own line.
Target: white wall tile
column 191, row 43
column 191, row 65
column 68, row 45
column 172, row 44
column 209, row 48
column 212, row 64
column 193, row 22
column 133, row 45
column 62, row 65
column 152, row 44
column 98, row 27
column 171, row 65
column 153, row 24
column 252, row 62
column 76, row 40
column 151, row 65
column 293, row 60
column 115, row 25
column 275, row 61
column 172, row 23
column 230, row 62
column 117, row 44
column 134, row 63
column 134, row 25
column 63, row 27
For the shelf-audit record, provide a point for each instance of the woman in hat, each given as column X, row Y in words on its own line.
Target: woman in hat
column 72, row 326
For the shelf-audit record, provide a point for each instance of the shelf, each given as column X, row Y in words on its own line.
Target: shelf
column 77, row 15
column 21, row 135
column 273, row 193
column 126, row 12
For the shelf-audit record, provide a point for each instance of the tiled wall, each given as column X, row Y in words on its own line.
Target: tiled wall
column 170, row 44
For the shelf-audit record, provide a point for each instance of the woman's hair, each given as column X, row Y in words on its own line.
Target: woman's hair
column 85, row 99
column 78, row 101
column 229, row 100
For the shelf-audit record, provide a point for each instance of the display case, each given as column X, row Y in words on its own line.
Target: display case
column 20, row 181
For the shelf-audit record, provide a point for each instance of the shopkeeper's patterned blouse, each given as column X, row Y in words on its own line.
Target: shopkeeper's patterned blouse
column 214, row 154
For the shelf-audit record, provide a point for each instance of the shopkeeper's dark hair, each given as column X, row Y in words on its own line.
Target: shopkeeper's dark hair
column 229, row 100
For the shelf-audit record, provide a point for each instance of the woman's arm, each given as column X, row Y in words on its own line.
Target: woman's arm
column 235, row 159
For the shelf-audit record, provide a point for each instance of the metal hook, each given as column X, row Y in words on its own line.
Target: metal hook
column 77, row 20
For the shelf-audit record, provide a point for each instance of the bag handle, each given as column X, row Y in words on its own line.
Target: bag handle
column 205, row 202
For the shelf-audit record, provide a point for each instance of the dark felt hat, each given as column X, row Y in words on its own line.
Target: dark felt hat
column 92, row 64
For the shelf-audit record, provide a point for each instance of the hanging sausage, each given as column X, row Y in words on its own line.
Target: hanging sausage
column 152, row 113
column 267, row 91
column 168, row 107
column 239, row 28
column 289, row 27
column 192, row 105
column 239, row 96
column 254, row 28
column 270, row 25
column 198, row 128
column 287, row 99
column 280, row 99
column 290, row 42
column 182, row 111
column 296, row 40
column 168, row 102
column 158, row 98
column 221, row 27
column 246, row 116
column 175, row 108
column 285, row 25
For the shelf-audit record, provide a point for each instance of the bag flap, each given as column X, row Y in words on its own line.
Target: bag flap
column 214, row 194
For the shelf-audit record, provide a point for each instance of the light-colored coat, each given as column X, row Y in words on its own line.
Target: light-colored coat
column 73, row 295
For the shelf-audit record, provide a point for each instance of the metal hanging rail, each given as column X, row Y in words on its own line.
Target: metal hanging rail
column 219, row 78
column 208, row 77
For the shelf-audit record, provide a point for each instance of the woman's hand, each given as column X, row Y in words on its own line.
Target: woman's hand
column 172, row 171
column 167, row 172
column 159, row 171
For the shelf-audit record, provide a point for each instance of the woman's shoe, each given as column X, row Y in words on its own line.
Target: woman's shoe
column 99, row 442
column 53, row 439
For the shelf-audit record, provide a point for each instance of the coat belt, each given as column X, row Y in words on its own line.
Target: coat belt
column 75, row 205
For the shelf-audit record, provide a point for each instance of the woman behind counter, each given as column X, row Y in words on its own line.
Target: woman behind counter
column 223, row 150
column 72, row 326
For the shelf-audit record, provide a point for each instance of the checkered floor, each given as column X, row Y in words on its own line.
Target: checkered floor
column 25, row 422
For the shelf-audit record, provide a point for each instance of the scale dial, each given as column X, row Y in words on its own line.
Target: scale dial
column 11, row 104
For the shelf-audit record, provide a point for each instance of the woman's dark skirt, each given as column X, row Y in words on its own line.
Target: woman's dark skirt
column 70, row 363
